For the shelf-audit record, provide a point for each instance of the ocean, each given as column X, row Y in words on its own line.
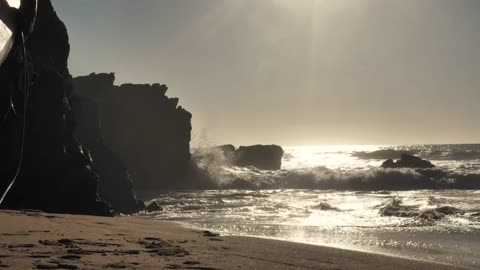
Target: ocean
column 338, row 196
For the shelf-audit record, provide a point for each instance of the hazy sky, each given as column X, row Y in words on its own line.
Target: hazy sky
column 295, row 71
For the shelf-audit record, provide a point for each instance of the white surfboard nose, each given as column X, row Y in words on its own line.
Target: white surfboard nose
column 6, row 37
column 14, row 3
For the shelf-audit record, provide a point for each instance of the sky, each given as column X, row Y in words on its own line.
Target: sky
column 295, row 72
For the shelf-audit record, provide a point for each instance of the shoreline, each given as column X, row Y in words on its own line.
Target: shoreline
column 37, row 240
column 406, row 253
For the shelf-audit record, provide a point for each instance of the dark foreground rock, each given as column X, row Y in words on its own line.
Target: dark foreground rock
column 265, row 157
column 408, row 161
column 115, row 186
column 56, row 173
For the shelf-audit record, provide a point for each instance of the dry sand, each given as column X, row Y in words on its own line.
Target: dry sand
column 35, row 240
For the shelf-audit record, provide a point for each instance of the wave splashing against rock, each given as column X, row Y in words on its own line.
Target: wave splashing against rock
column 345, row 169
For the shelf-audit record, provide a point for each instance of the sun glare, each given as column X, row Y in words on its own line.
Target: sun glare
column 310, row 5
column 14, row 3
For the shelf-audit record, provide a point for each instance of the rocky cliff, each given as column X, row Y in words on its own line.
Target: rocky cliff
column 56, row 173
column 147, row 129
column 115, row 186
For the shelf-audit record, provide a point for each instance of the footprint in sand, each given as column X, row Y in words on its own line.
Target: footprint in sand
column 71, row 257
column 21, row 246
column 215, row 239
column 119, row 265
column 39, row 256
column 52, row 217
column 162, row 248
column 3, row 265
column 176, row 266
column 15, row 234
column 55, row 266
column 191, row 262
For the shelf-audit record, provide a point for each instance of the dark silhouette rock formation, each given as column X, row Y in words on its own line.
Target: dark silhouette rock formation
column 408, row 161
column 154, row 207
column 383, row 154
column 148, row 130
column 264, row 157
column 56, row 173
column 115, row 186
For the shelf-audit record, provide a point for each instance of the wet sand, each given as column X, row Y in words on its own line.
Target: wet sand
column 36, row 240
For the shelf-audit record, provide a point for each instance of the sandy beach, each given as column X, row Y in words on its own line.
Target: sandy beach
column 36, row 240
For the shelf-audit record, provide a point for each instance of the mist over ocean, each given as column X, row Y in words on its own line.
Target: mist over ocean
column 339, row 196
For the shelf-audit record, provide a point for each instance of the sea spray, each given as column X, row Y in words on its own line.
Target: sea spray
column 364, row 174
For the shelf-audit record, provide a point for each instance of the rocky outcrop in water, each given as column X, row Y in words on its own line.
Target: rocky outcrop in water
column 265, row 157
column 148, row 130
column 56, row 173
column 408, row 161
column 324, row 206
column 154, row 207
column 383, row 154
column 396, row 208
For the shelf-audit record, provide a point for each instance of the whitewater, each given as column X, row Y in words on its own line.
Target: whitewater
column 339, row 196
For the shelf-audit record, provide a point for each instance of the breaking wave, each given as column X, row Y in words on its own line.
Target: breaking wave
column 323, row 178
column 430, row 152
column 457, row 168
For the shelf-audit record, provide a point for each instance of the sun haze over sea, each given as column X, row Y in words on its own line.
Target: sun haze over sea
column 241, row 134
column 295, row 72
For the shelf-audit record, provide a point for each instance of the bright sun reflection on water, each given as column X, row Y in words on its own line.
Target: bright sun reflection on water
column 332, row 218
column 337, row 198
column 330, row 156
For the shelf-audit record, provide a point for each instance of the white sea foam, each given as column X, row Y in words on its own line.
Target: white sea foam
column 354, row 168
column 332, row 196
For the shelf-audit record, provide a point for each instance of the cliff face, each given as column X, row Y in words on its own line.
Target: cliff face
column 56, row 171
column 115, row 185
column 148, row 130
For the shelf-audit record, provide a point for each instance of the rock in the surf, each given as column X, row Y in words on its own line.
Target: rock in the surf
column 154, row 207
column 264, row 157
column 408, row 161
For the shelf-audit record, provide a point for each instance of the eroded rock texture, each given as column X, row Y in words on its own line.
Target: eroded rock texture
column 148, row 130
column 56, row 172
column 115, row 186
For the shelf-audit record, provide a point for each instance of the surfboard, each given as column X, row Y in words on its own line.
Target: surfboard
column 7, row 28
